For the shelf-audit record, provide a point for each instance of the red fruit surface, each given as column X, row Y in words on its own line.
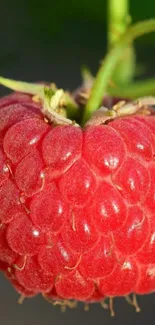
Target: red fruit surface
column 100, row 261
column 79, row 232
column 9, row 201
column 133, row 234
column 32, row 277
column 23, row 137
column 7, row 255
column 74, row 286
column 21, row 290
column 23, row 237
column 56, row 212
column 146, row 283
column 4, row 170
column 57, row 258
column 57, row 156
column 123, row 279
column 76, row 205
column 28, row 174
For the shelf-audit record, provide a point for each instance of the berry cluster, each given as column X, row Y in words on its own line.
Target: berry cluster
column 76, row 205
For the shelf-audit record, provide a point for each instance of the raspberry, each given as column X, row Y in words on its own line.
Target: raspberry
column 28, row 174
column 21, row 290
column 100, row 261
column 109, row 149
column 123, row 279
column 23, row 237
column 79, row 190
column 134, row 184
column 9, row 201
column 142, row 143
column 22, row 137
column 7, row 255
column 146, row 283
column 77, row 205
column 4, row 170
column 32, row 277
column 80, row 233
column 133, row 234
column 150, row 197
column 52, row 218
column 74, row 286
column 146, row 255
column 61, row 157
column 15, row 98
column 109, row 210
column 58, row 258
column 3, row 266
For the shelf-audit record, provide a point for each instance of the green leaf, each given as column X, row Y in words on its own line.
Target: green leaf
column 21, row 86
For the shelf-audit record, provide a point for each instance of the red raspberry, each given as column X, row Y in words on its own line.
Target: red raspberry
column 77, row 205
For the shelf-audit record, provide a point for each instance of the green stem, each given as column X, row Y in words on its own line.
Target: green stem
column 134, row 90
column 118, row 22
column 110, row 62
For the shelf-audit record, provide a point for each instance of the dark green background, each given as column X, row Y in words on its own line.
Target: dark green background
column 50, row 40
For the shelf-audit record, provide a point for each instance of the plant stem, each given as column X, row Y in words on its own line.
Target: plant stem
column 110, row 62
column 118, row 22
column 134, row 90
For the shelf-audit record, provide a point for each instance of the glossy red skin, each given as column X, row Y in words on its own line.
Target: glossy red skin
column 77, row 205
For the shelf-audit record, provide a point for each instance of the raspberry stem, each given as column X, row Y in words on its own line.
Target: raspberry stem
column 134, row 90
column 118, row 19
column 118, row 22
column 110, row 62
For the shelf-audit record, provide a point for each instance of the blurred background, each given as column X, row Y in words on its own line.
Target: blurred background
column 50, row 40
